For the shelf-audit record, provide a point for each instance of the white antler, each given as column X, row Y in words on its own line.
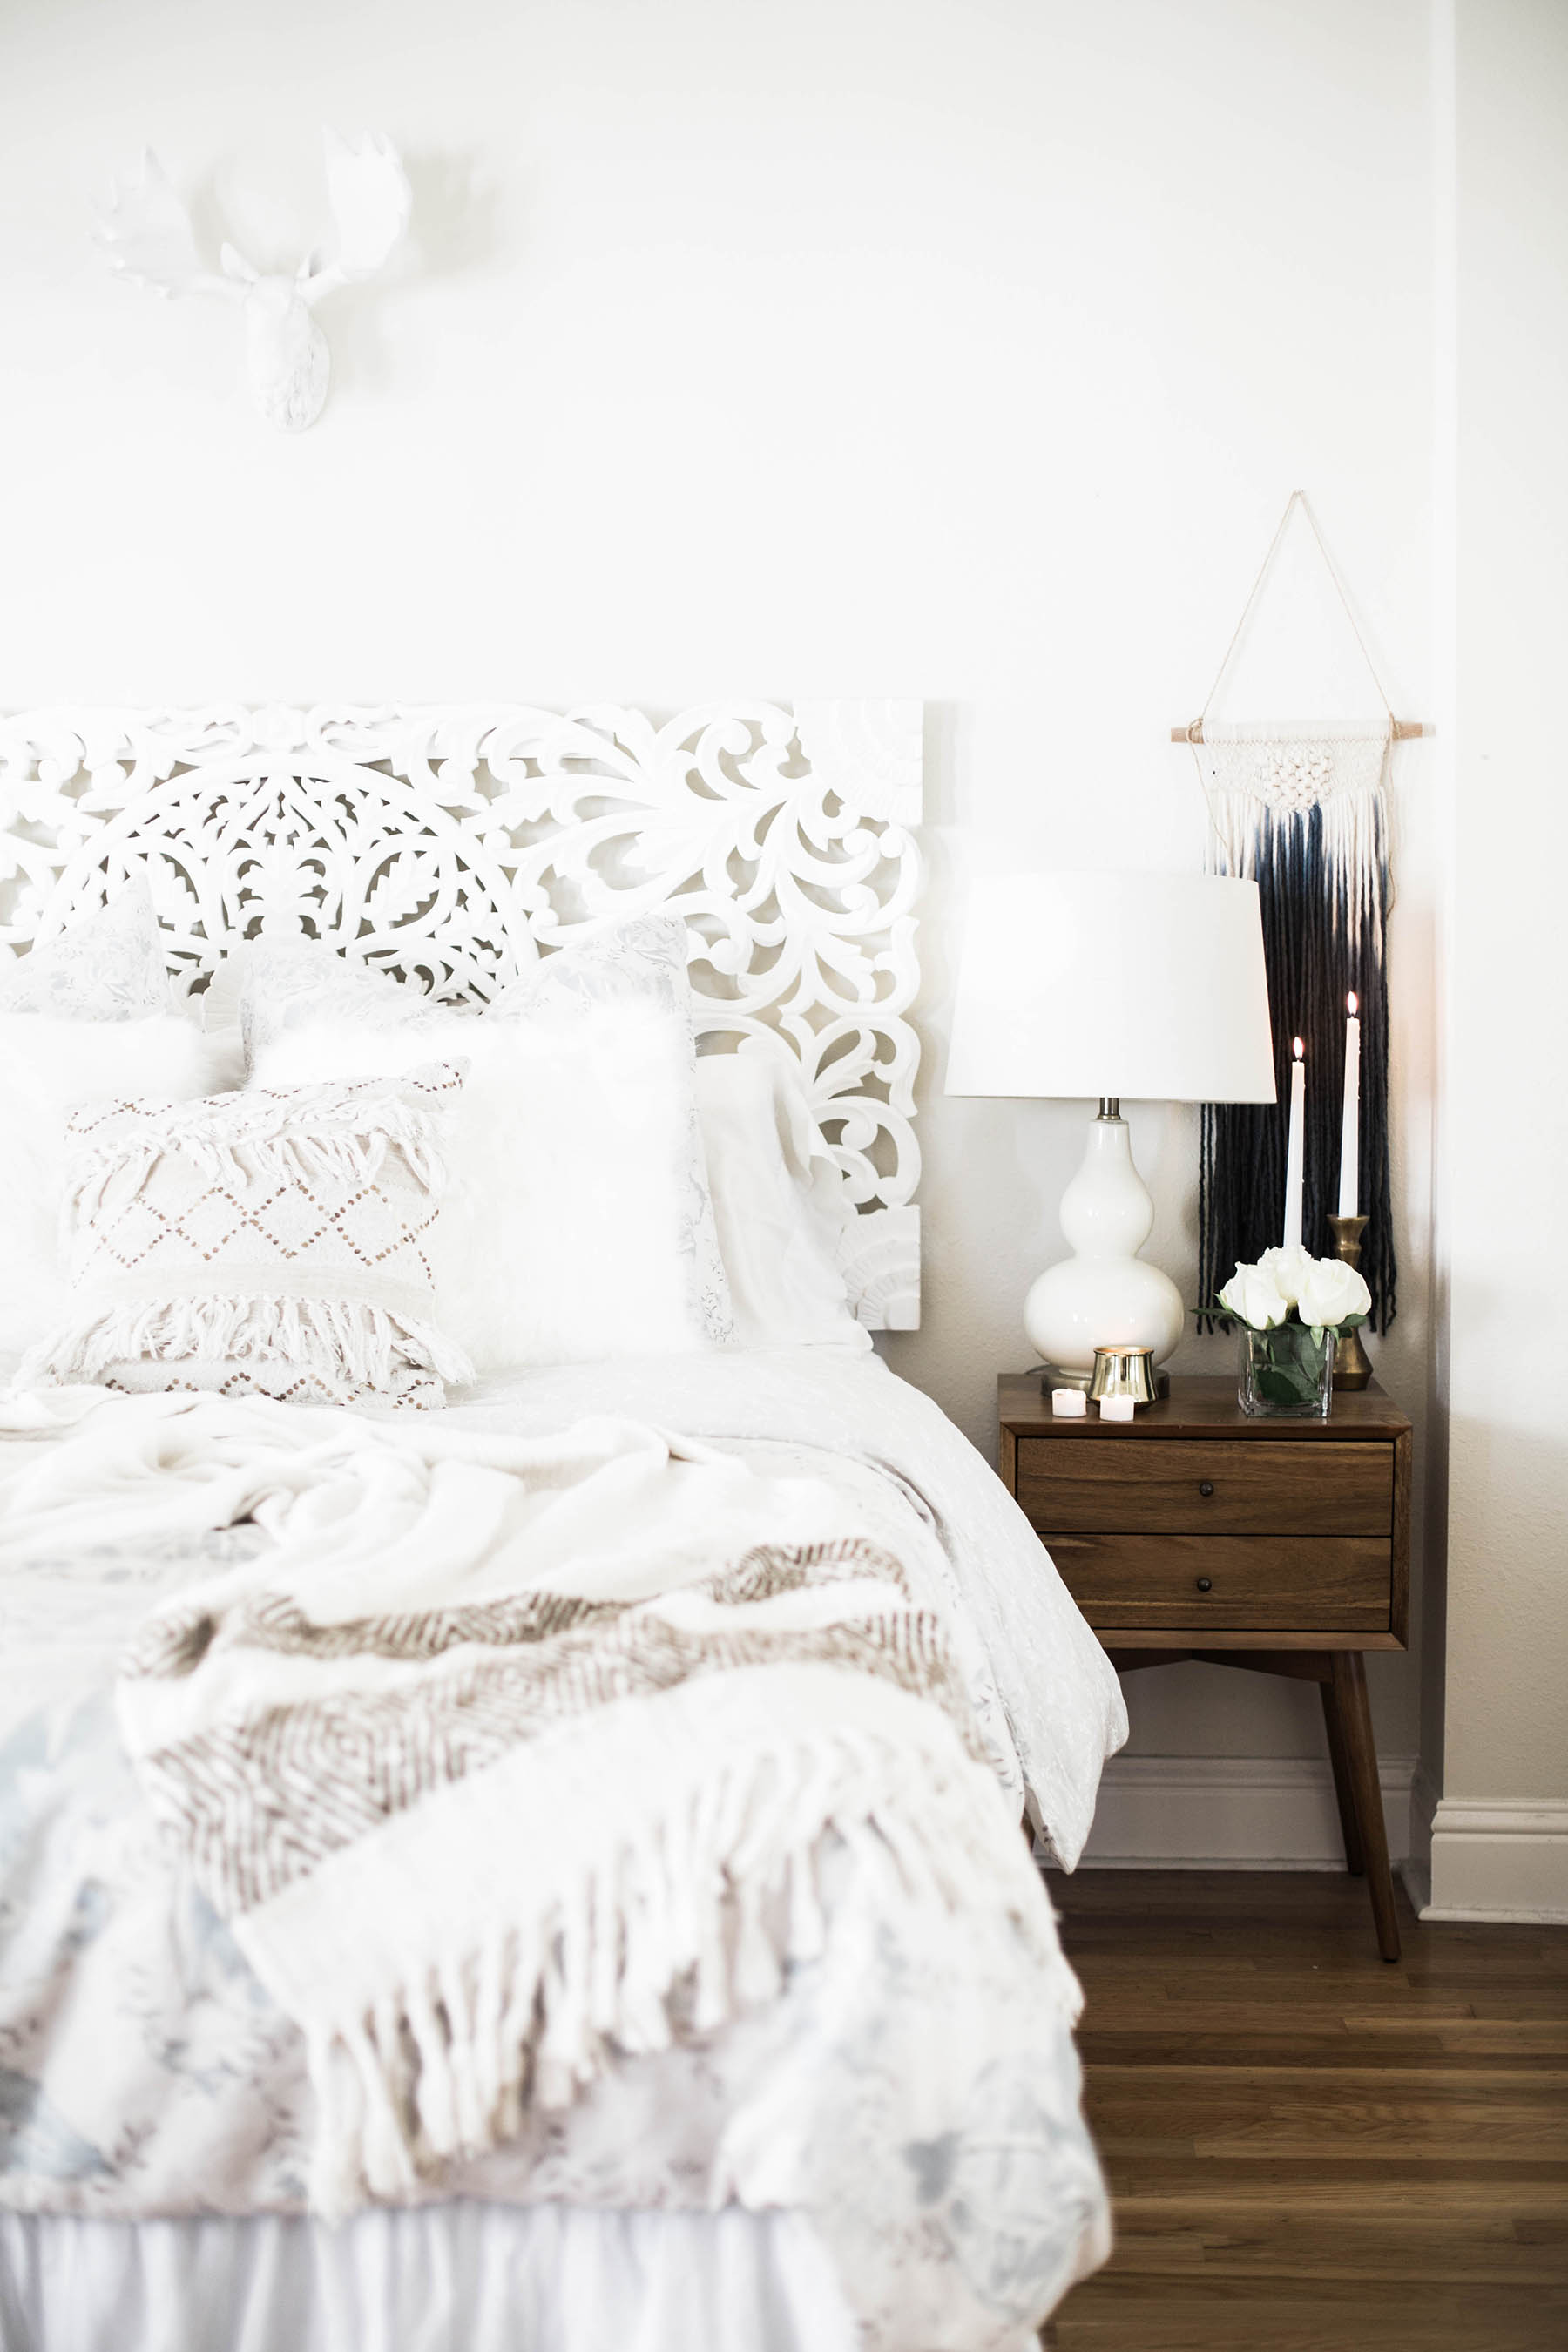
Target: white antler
column 369, row 192
column 146, row 233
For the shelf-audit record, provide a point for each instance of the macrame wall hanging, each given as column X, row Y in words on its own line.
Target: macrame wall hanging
column 1301, row 808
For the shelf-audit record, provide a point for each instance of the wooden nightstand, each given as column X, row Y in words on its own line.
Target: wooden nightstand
column 1195, row 1531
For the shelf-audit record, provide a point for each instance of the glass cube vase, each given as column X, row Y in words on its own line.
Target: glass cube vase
column 1286, row 1374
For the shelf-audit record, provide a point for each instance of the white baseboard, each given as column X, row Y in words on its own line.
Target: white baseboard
column 1416, row 1868
column 1232, row 1812
column 1503, row 1861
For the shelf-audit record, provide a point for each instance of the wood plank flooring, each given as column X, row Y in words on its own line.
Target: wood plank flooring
column 1311, row 2150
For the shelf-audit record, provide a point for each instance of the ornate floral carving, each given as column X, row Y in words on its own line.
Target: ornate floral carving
column 428, row 840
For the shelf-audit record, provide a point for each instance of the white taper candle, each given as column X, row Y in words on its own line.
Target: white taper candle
column 1295, row 1152
column 1350, row 1123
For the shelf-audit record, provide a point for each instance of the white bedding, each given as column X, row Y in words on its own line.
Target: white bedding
column 458, row 2277
column 143, row 2071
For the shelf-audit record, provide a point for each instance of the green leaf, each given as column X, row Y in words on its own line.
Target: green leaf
column 1278, row 1386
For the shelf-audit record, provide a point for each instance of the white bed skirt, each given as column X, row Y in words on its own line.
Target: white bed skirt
column 463, row 2277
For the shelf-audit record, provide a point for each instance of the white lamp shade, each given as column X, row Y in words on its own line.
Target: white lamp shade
column 1149, row 986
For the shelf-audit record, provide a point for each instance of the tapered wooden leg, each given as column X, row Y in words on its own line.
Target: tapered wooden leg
column 1355, row 1723
column 1355, row 1861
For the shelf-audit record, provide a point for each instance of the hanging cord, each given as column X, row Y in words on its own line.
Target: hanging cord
column 1297, row 498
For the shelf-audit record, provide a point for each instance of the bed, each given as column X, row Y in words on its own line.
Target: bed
column 870, row 2134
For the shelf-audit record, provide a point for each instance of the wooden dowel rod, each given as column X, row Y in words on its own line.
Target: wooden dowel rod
column 1405, row 731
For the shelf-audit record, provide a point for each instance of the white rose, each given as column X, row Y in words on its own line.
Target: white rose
column 1252, row 1298
column 1332, row 1291
column 1287, row 1269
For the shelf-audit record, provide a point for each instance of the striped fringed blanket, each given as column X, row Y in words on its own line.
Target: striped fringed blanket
column 503, row 1757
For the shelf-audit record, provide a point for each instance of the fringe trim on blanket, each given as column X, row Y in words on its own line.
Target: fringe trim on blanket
column 665, row 1938
column 346, row 1346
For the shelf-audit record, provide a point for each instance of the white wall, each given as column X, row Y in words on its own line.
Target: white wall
column 965, row 348
column 1500, row 1681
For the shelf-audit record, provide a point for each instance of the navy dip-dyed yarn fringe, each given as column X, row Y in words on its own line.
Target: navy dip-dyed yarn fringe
column 1322, row 875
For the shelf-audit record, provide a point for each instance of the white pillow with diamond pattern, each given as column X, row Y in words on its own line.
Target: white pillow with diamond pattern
column 267, row 1243
column 87, row 1015
column 578, row 1224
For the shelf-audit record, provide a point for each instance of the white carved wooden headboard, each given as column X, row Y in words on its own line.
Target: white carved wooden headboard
column 427, row 840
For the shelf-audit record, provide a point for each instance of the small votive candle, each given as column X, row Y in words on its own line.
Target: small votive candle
column 1068, row 1404
column 1115, row 1407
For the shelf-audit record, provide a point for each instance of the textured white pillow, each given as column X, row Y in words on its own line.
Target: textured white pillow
column 779, row 1201
column 88, row 1014
column 108, row 966
column 578, row 1223
column 274, row 1243
column 47, row 1067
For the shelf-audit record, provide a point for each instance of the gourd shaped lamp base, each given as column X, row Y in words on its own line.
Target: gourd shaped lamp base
column 1105, row 1295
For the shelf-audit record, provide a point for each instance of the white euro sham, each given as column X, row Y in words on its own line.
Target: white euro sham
column 779, row 1202
column 108, row 965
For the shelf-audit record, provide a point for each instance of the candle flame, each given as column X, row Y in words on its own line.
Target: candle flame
column 1298, row 1049
column 1351, row 1007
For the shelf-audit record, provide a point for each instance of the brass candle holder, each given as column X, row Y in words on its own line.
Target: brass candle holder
column 1123, row 1371
column 1353, row 1366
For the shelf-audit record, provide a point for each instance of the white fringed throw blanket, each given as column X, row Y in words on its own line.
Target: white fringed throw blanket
column 502, row 1757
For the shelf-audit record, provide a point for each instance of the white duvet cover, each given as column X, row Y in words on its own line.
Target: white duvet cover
column 913, row 2091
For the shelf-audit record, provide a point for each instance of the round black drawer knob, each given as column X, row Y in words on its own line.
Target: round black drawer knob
column 1206, row 1485
column 1205, row 1584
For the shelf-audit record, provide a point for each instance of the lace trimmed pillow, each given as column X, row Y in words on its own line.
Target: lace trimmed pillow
column 270, row 1243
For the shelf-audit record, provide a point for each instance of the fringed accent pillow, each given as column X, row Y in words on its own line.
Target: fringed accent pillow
column 85, row 1016
column 274, row 1243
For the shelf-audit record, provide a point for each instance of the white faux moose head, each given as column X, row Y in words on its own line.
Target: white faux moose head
column 146, row 235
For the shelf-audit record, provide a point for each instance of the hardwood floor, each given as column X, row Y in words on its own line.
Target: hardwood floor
column 1311, row 2150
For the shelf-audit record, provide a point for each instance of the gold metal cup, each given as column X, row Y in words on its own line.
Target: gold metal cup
column 1123, row 1371
column 1352, row 1365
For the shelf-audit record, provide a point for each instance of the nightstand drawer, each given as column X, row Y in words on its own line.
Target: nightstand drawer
column 1318, row 1583
column 1197, row 1486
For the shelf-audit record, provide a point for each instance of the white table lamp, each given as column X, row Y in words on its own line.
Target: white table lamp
column 1146, row 987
